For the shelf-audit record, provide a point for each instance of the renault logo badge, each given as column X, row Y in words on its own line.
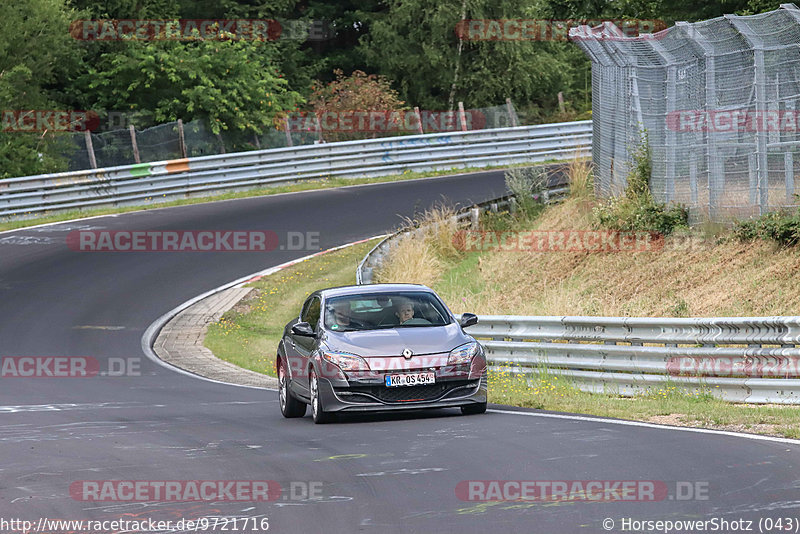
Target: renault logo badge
column 407, row 354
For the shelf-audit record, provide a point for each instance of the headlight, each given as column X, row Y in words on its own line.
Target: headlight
column 464, row 353
column 345, row 361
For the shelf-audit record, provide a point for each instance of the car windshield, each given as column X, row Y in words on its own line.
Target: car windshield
column 384, row 310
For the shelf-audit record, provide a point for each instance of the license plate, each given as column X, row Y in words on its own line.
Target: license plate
column 410, row 379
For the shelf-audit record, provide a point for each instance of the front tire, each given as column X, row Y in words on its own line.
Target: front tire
column 474, row 409
column 318, row 412
column 290, row 406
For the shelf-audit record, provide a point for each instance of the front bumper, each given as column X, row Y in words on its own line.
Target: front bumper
column 357, row 397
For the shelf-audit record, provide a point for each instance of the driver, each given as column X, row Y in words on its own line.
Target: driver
column 404, row 310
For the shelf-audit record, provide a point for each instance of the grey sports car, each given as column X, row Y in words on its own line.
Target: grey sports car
column 379, row 347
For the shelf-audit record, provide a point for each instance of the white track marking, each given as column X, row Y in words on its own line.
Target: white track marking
column 649, row 425
column 152, row 331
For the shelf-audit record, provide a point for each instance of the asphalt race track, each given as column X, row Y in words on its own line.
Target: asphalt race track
column 377, row 473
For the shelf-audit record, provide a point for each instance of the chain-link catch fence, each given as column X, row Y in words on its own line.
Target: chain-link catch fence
column 718, row 102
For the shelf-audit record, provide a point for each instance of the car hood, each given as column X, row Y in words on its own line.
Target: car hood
column 392, row 341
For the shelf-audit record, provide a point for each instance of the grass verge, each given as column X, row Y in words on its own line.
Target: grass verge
column 691, row 275
column 248, row 335
column 546, row 390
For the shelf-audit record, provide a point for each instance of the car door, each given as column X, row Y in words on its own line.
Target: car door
column 302, row 346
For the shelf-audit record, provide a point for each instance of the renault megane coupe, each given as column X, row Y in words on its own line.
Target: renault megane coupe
column 375, row 348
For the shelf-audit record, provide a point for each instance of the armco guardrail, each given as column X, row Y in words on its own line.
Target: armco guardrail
column 169, row 180
column 742, row 359
column 556, row 188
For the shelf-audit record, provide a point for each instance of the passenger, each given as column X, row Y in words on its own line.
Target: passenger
column 341, row 316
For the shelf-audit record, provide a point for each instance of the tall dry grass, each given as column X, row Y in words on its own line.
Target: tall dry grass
column 581, row 178
column 420, row 256
column 689, row 276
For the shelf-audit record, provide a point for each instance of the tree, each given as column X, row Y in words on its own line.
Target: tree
column 233, row 85
column 416, row 44
column 37, row 56
column 351, row 105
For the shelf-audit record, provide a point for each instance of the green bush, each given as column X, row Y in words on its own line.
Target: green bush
column 780, row 226
column 636, row 210
column 628, row 215
column 501, row 221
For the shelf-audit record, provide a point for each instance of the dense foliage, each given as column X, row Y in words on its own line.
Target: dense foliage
column 241, row 86
column 782, row 227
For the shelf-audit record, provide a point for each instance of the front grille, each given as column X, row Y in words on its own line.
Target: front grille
column 427, row 392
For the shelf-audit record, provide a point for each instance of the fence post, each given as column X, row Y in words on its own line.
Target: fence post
column 90, row 148
column 462, row 116
column 182, row 139
column 512, row 116
column 319, row 129
column 135, row 146
column 713, row 158
column 286, row 130
column 760, row 187
column 419, row 120
column 670, row 136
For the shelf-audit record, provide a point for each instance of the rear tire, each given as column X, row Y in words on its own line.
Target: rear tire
column 318, row 412
column 474, row 409
column 290, row 406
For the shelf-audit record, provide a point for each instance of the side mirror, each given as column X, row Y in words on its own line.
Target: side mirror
column 303, row 329
column 468, row 319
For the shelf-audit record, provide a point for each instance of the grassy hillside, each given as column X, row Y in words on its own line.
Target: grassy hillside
column 691, row 275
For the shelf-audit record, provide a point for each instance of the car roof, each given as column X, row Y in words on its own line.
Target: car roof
column 371, row 288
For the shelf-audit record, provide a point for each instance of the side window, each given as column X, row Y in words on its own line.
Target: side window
column 311, row 313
